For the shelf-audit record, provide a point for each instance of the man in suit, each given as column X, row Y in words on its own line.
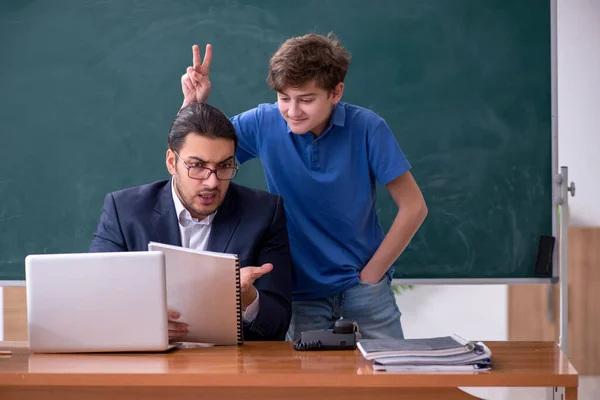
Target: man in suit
column 200, row 208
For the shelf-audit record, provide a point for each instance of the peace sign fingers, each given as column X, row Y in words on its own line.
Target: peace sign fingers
column 199, row 66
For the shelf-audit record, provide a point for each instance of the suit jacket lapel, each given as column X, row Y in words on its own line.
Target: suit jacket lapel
column 164, row 219
column 224, row 223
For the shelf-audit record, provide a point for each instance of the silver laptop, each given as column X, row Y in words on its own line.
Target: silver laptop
column 97, row 302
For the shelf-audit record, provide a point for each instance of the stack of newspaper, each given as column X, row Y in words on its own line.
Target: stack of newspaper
column 447, row 353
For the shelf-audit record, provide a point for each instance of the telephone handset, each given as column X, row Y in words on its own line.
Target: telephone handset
column 343, row 336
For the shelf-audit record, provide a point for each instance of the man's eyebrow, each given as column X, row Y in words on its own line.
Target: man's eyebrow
column 198, row 159
column 225, row 160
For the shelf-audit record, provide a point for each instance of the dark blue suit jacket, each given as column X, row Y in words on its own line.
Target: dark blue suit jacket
column 250, row 223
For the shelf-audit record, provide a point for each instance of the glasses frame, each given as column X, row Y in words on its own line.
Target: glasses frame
column 236, row 167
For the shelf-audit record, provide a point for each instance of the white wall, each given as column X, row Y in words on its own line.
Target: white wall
column 579, row 104
column 480, row 312
column 475, row 312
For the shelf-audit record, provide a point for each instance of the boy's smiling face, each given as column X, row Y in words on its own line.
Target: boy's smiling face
column 309, row 107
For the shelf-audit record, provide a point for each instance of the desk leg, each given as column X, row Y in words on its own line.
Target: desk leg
column 571, row 393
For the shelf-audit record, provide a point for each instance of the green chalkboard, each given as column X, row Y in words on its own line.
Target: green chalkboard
column 88, row 89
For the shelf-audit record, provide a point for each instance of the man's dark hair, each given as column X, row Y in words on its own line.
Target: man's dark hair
column 201, row 119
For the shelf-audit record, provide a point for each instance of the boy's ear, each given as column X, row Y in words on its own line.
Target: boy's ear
column 338, row 91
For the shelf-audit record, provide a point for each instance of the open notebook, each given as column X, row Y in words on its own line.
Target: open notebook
column 204, row 288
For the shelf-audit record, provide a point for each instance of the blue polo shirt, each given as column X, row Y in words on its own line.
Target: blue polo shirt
column 328, row 184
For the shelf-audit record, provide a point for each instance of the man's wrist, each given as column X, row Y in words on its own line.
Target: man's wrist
column 251, row 311
column 251, row 295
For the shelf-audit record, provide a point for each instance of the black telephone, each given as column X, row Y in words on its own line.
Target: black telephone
column 343, row 336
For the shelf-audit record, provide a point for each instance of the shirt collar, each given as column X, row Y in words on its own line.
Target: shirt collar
column 338, row 117
column 183, row 215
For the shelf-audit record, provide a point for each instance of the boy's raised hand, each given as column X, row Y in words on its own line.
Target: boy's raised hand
column 195, row 83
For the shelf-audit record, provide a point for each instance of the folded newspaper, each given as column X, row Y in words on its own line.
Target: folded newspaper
column 447, row 353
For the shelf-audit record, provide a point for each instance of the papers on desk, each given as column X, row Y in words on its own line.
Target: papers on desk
column 193, row 345
column 447, row 353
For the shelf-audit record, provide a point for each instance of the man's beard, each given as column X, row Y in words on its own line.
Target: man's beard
column 188, row 203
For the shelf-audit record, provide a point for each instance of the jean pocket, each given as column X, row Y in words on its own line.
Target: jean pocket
column 367, row 284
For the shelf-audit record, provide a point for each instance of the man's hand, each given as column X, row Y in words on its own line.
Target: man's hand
column 247, row 277
column 176, row 329
column 195, row 83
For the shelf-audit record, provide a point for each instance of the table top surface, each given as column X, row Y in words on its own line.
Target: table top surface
column 274, row 364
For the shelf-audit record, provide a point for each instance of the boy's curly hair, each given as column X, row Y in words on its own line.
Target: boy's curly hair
column 302, row 59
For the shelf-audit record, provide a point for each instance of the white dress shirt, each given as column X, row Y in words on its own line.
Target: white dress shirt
column 194, row 235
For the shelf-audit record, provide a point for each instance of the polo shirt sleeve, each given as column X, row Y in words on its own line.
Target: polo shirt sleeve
column 246, row 126
column 386, row 159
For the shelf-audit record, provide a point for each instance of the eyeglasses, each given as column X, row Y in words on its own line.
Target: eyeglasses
column 201, row 173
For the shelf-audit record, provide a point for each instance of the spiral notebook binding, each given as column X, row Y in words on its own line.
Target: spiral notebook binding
column 238, row 295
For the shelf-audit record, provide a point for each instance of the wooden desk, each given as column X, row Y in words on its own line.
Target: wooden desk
column 266, row 371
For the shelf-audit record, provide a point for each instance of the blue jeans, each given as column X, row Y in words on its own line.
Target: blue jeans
column 372, row 306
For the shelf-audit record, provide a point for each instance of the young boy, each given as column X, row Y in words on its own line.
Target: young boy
column 324, row 157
